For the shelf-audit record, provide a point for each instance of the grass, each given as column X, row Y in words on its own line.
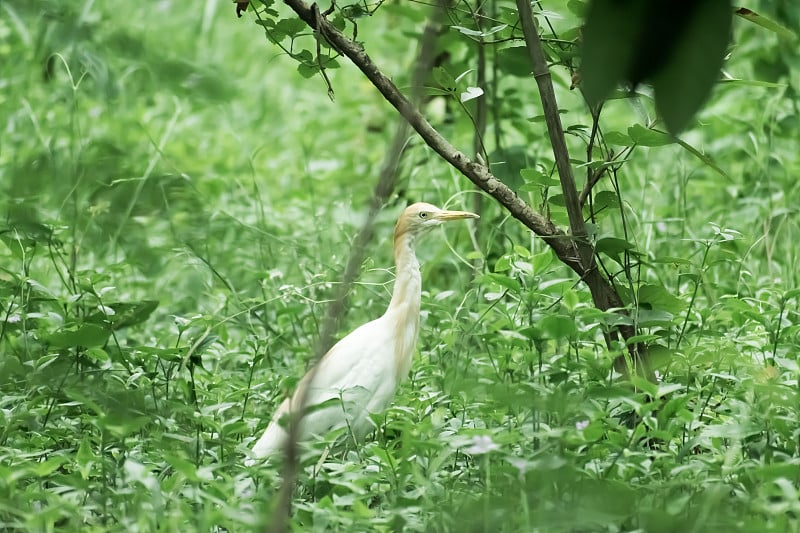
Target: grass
column 178, row 204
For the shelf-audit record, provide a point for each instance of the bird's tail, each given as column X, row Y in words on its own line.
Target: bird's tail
column 274, row 438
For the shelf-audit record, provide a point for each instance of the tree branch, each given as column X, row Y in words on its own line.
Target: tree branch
column 541, row 74
column 604, row 294
column 475, row 172
column 580, row 257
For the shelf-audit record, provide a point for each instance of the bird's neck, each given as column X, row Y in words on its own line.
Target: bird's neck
column 408, row 281
column 403, row 311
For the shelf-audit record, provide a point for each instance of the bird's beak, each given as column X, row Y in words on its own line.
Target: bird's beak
column 445, row 216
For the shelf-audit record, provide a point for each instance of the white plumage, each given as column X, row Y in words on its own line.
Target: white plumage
column 361, row 373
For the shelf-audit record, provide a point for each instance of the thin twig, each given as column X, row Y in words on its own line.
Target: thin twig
column 592, row 175
column 319, row 53
column 481, row 109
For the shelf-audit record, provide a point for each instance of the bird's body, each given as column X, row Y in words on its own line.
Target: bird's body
column 361, row 373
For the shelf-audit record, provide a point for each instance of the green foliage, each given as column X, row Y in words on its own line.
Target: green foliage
column 177, row 205
column 679, row 49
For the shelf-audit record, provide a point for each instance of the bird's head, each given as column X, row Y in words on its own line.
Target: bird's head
column 418, row 218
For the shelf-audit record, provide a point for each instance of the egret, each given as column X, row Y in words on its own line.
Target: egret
column 361, row 373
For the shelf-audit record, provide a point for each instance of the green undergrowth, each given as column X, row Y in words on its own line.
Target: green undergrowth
column 179, row 203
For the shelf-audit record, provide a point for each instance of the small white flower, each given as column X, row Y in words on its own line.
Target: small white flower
column 581, row 425
column 658, row 375
column 482, row 444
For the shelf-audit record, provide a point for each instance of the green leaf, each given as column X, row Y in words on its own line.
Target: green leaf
column 791, row 293
column 618, row 138
column 705, row 158
column 594, row 431
column 766, row 22
column 649, row 137
column 653, row 317
column 85, row 458
column 467, row 31
column 605, row 200
column 535, row 176
column 338, row 22
column 669, row 388
column 97, row 354
column 522, row 251
column 504, row 281
column 752, row 83
column 307, row 70
column 125, row 314
column 658, row 297
column 514, row 61
column 645, row 385
column 685, row 82
column 736, row 429
column 41, row 292
column 608, row 46
column 557, row 327
column 354, row 11
column 542, row 118
column 503, row 263
column 291, row 26
column 613, row 247
column 542, row 260
column 577, row 8
column 679, row 49
column 183, row 466
column 85, row 335
column 47, row 467
column 173, row 355
column 444, row 79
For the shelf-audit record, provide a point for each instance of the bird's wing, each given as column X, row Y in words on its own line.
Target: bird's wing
column 359, row 359
column 359, row 372
column 356, row 377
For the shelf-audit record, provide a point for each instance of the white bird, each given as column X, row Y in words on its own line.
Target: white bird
column 361, row 373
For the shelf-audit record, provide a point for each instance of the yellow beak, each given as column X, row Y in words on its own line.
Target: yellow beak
column 445, row 216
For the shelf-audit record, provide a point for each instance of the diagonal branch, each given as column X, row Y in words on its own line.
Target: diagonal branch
column 579, row 257
column 476, row 172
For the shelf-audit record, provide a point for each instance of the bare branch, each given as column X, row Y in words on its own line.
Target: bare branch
column 541, row 73
column 592, row 175
column 476, row 172
column 591, row 181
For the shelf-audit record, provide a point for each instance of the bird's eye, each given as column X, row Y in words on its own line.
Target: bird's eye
column 423, row 214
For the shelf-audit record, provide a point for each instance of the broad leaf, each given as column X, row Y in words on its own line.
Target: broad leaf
column 685, row 82
column 83, row 335
column 766, row 22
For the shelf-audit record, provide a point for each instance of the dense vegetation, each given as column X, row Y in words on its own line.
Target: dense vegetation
column 179, row 201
